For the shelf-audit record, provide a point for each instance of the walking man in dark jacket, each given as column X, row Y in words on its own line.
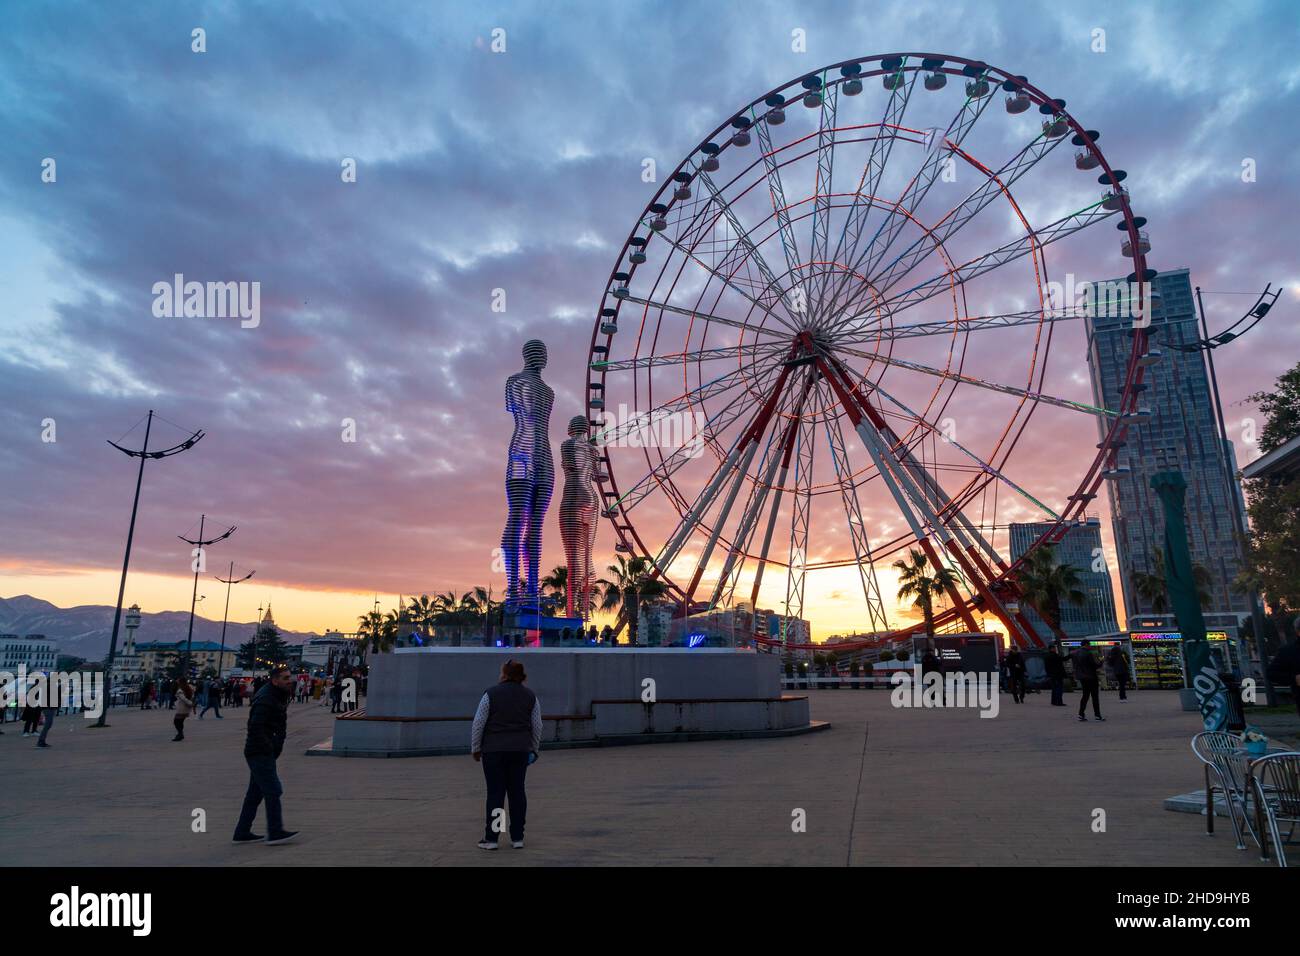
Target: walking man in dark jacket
column 1054, row 665
column 267, row 723
column 506, row 736
column 1015, row 663
column 1086, row 670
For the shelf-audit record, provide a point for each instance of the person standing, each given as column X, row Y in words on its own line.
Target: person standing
column 214, row 699
column 1015, row 663
column 505, row 738
column 1284, row 670
column 184, row 697
column 931, row 664
column 31, row 718
column 268, row 719
column 47, row 721
column 1086, row 670
column 1054, row 665
column 1118, row 664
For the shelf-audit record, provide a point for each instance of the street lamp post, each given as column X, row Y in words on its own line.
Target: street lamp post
column 225, row 615
column 199, row 544
column 142, row 454
column 1238, row 521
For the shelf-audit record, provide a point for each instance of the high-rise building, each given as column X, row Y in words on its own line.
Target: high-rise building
column 1079, row 548
column 1181, row 433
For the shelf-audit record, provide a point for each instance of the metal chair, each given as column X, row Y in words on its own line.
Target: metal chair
column 1276, row 783
column 1222, row 755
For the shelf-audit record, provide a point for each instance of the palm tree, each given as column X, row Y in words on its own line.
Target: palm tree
column 631, row 587
column 555, row 586
column 423, row 613
column 1045, row 583
column 1151, row 588
column 448, row 614
column 915, row 581
column 370, row 628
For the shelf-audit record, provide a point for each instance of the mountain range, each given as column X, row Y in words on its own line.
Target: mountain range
column 84, row 631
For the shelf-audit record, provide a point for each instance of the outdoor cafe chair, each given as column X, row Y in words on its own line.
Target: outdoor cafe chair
column 1275, row 779
column 1226, row 769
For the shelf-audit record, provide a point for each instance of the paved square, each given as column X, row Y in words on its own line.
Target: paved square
column 883, row 786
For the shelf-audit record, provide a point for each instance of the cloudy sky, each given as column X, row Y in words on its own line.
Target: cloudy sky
column 476, row 170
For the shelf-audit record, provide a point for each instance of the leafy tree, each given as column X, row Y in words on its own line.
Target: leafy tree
column 1046, row 583
column 917, row 583
column 264, row 650
column 1273, row 544
column 1283, row 410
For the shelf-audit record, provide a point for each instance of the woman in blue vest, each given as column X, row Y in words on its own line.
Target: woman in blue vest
column 506, row 736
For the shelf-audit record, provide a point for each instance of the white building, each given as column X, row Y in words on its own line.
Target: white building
column 316, row 650
column 33, row 650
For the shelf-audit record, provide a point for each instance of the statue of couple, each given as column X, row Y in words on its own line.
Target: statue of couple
column 530, row 481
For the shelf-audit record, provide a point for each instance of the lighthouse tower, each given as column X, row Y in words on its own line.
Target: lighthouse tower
column 126, row 666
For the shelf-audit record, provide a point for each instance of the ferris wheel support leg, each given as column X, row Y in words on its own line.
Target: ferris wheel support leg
column 861, row 414
column 746, row 446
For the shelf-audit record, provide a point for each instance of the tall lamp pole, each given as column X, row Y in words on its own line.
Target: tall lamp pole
column 1238, row 522
column 142, row 454
column 199, row 544
column 228, row 582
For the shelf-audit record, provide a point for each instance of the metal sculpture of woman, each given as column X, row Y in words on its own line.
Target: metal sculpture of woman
column 530, row 473
column 578, row 515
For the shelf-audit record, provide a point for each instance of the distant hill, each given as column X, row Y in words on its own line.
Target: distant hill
column 85, row 631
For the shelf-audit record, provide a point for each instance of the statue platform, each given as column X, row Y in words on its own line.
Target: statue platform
column 421, row 700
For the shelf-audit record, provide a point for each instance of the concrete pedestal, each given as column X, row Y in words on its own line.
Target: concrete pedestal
column 421, row 700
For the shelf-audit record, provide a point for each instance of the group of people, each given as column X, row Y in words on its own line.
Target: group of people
column 1087, row 671
column 505, row 738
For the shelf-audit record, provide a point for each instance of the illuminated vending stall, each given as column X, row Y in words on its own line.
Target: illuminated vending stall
column 1223, row 651
column 1158, row 660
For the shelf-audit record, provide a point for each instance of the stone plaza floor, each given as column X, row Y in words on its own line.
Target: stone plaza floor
column 883, row 786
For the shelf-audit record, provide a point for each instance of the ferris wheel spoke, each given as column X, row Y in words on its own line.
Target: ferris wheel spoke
column 918, row 187
column 780, row 209
column 995, row 259
column 869, row 182
column 995, row 184
column 708, row 317
column 983, row 465
column 771, row 291
column 753, row 350
column 685, row 451
column 970, row 380
column 773, row 456
column 857, row 527
column 971, row 323
column 678, row 405
column 823, row 188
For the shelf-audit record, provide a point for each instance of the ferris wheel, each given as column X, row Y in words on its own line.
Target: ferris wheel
column 825, row 344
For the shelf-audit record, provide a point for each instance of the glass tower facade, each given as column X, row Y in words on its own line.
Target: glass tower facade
column 1080, row 548
column 1182, row 433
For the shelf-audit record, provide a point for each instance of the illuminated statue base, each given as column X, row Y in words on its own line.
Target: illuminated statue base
column 421, row 700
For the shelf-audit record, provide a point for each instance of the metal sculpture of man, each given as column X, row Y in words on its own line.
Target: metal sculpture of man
column 578, row 515
column 530, row 474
